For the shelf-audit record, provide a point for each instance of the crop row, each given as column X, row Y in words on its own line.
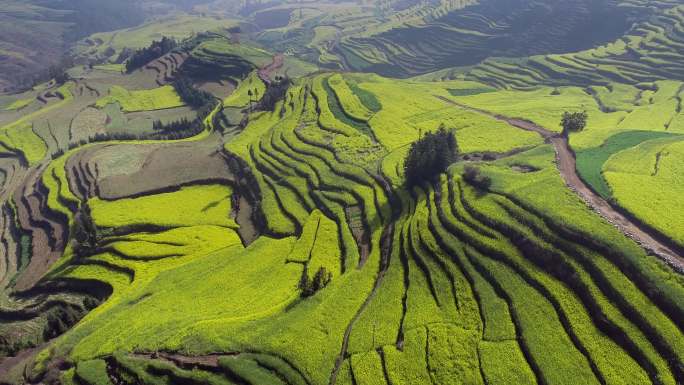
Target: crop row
column 309, row 173
column 641, row 338
column 487, row 265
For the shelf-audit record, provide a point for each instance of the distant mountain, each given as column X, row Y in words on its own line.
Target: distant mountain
column 35, row 33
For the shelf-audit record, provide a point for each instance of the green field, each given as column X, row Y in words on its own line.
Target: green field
column 241, row 96
column 590, row 162
column 18, row 136
column 207, row 205
column 647, row 180
column 143, row 100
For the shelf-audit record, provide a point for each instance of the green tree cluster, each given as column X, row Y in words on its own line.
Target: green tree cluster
column 430, row 156
column 192, row 96
column 86, row 237
column 145, row 55
column 181, row 124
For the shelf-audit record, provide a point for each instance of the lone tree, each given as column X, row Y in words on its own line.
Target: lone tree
column 430, row 156
column 574, row 121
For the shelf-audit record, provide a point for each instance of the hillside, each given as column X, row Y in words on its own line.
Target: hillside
column 37, row 34
column 236, row 209
column 427, row 37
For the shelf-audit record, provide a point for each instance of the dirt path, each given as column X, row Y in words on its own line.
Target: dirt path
column 647, row 237
column 266, row 73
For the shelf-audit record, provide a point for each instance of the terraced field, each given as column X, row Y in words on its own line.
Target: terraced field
column 106, row 45
column 145, row 100
column 446, row 279
column 281, row 244
column 650, row 51
column 518, row 44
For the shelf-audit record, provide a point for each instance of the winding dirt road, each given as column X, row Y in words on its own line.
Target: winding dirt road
column 648, row 238
column 265, row 73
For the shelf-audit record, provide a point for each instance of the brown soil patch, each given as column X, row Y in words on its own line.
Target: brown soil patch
column 165, row 68
column 47, row 241
column 221, row 89
column 118, row 171
column 358, row 230
column 17, row 365
column 523, row 168
column 242, row 213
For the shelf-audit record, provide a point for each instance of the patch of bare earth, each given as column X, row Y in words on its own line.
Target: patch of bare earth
column 267, row 73
column 125, row 170
column 47, row 232
column 221, row 88
column 165, row 68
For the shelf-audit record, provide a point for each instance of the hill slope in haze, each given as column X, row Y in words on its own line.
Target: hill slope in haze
column 37, row 33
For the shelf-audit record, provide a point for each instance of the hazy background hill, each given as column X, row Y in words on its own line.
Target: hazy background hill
column 395, row 38
column 34, row 34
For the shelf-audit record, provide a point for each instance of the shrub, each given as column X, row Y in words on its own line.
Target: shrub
column 430, row 156
column 574, row 121
column 90, row 303
column 86, row 237
column 473, row 176
column 275, row 92
column 310, row 286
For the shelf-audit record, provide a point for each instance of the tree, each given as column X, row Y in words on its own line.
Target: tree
column 310, row 286
column 183, row 124
column 275, row 92
column 430, row 156
column 192, row 96
column 156, row 50
column 86, row 237
column 472, row 176
column 574, row 121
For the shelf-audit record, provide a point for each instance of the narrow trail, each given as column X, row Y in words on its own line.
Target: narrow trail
column 386, row 251
column 265, row 73
column 647, row 237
